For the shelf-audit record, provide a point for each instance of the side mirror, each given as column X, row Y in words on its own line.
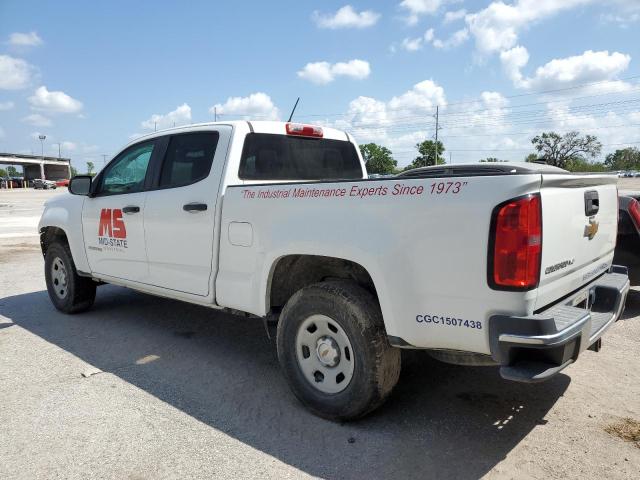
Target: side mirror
column 80, row 185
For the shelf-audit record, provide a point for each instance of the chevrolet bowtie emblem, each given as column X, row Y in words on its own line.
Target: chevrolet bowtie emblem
column 591, row 229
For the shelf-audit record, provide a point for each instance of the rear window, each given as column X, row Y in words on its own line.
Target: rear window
column 279, row 157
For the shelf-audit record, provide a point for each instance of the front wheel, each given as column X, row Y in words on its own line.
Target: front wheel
column 334, row 352
column 68, row 291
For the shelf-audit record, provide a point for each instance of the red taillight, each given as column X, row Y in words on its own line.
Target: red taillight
column 634, row 210
column 304, row 130
column 516, row 244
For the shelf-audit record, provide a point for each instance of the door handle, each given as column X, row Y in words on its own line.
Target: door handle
column 194, row 207
column 131, row 209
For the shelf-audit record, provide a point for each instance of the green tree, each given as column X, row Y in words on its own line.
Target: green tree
column 3, row 173
column 12, row 171
column 378, row 158
column 581, row 165
column 427, row 157
column 90, row 167
column 74, row 171
column 558, row 149
column 531, row 158
column 624, row 159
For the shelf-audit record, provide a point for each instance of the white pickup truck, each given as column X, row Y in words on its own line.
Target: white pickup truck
column 507, row 265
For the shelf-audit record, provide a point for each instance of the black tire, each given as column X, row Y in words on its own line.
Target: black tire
column 376, row 364
column 80, row 292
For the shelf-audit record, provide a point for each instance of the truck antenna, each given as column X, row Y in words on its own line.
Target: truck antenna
column 294, row 109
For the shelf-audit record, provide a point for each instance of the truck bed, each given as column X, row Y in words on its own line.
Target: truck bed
column 424, row 241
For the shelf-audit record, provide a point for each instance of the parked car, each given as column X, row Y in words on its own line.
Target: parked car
column 40, row 184
column 628, row 241
column 507, row 265
column 63, row 183
column 12, row 182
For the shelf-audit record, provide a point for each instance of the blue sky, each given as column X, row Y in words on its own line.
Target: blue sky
column 93, row 75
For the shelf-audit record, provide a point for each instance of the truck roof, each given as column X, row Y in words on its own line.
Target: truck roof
column 257, row 126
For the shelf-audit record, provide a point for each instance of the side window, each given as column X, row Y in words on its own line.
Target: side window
column 188, row 159
column 127, row 172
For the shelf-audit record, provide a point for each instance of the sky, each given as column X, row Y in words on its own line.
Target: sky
column 92, row 76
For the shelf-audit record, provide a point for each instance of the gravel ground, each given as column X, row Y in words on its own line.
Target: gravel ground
column 143, row 387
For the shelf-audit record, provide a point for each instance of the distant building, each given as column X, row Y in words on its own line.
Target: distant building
column 36, row 166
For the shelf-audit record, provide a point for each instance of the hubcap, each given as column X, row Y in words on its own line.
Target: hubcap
column 324, row 354
column 328, row 352
column 59, row 277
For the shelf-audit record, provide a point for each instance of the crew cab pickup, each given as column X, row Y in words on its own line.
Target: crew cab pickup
column 507, row 265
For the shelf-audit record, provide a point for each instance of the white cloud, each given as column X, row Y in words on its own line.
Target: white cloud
column 37, row 120
column 4, row 106
column 15, row 73
column 374, row 120
column 346, row 17
column 30, row 39
column 180, row 116
column 457, row 38
column 428, row 35
column 412, row 44
column 257, row 105
column 624, row 21
column 453, row 16
column 417, row 8
column 626, row 13
column 586, row 68
column 54, row 101
column 423, row 97
column 512, row 61
column 496, row 27
column 324, row 72
column 589, row 67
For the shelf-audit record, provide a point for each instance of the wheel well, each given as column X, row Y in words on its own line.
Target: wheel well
column 49, row 235
column 294, row 272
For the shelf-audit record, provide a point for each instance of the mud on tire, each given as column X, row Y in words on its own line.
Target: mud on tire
column 353, row 313
column 68, row 291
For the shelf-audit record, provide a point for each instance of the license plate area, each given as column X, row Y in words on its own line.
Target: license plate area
column 582, row 300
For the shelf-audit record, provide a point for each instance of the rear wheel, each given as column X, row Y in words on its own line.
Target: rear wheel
column 334, row 352
column 68, row 291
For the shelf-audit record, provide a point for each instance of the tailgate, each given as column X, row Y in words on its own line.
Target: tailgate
column 579, row 228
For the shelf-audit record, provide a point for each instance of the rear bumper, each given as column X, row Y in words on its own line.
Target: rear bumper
column 537, row 347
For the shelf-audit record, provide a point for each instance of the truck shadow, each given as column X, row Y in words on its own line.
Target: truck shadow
column 632, row 307
column 442, row 421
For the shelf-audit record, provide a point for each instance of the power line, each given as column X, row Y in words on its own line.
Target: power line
column 510, row 149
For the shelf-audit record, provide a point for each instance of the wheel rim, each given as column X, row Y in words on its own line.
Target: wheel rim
column 59, row 278
column 324, row 354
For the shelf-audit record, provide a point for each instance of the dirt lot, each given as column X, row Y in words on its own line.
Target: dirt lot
column 142, row 387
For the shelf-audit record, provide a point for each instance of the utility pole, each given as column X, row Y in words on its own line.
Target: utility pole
column 215, row 114
column 155, row 126
column 104, row 159
column 436, row 161
column 42, row 139
column 450, row 161
column 59, row 150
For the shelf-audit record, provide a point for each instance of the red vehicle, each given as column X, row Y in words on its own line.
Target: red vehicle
column 62, row 183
